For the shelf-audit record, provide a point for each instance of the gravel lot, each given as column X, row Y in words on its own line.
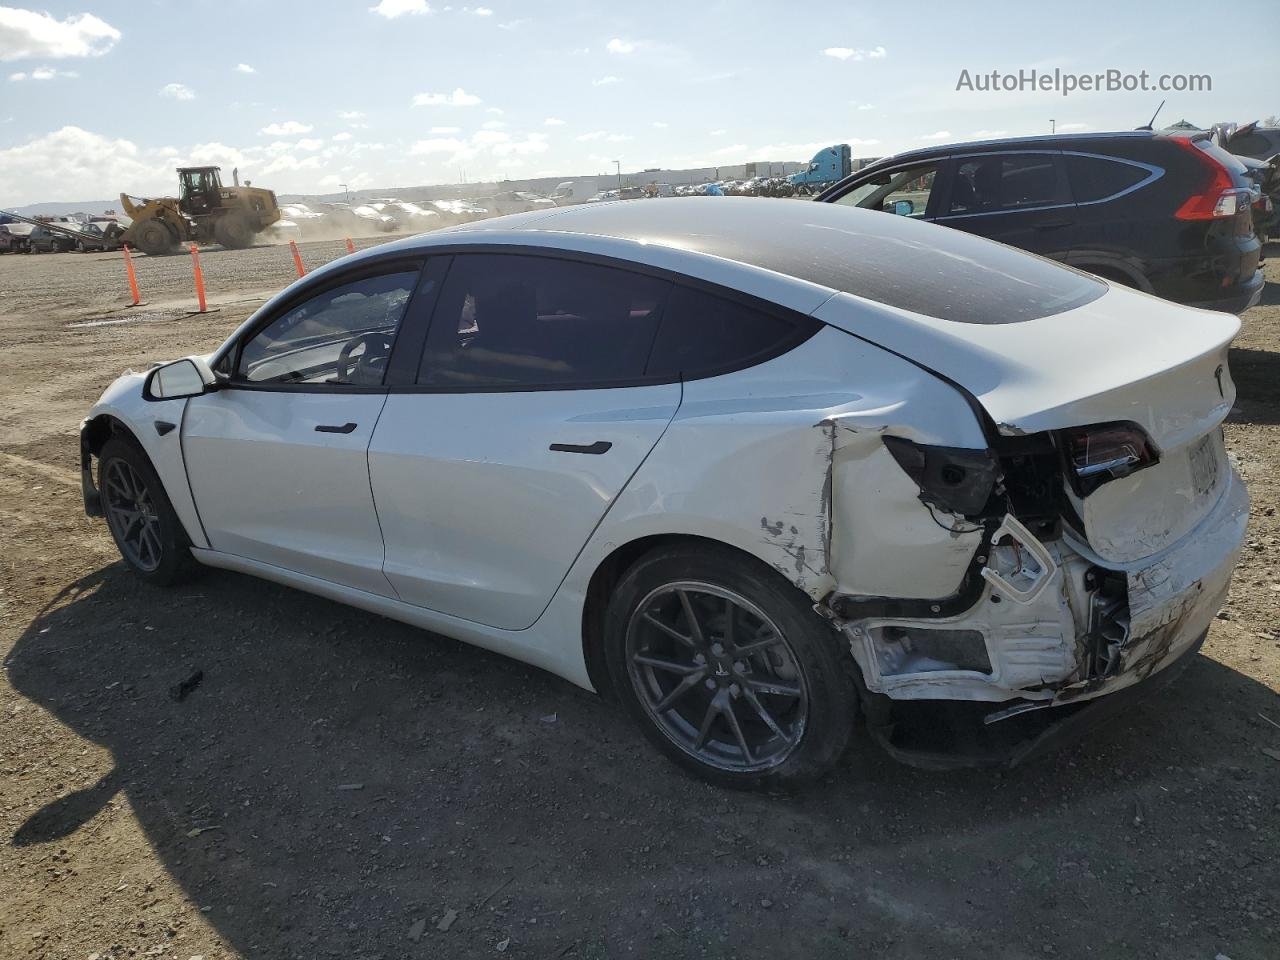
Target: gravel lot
column 342, row 786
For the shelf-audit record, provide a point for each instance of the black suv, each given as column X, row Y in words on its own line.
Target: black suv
column 1168, row 215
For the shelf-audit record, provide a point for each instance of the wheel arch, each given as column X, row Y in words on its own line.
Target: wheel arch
column 610, row 571
column 166, row 460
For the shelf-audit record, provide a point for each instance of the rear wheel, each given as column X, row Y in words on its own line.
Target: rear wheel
column 143, row 523
column 234, row 231
column 155, row 239
column 727, row 668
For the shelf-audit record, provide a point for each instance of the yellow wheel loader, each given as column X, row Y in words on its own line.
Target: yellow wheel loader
column 204, row 211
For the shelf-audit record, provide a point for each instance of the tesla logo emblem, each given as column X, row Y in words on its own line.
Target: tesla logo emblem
column 1217, row 375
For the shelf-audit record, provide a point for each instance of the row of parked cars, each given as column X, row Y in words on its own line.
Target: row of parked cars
column 17, row 237
column 1175, row 214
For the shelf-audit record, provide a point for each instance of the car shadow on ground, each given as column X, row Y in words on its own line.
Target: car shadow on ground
column 360, row 775
column 1257, row 377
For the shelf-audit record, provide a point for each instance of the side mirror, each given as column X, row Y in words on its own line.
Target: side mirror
column 904, row 208
column 189, row 377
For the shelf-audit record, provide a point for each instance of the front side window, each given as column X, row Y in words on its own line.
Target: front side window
column 905, row 192
column 519, row 321
column 1002, row 182
column 341, row 336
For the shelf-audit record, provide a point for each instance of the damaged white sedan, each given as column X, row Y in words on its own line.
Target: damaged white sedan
column 758, row 468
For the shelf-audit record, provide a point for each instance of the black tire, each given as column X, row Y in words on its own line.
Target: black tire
column 165, row 558
column 810, row 697
column 155, row 239
column 234, row 230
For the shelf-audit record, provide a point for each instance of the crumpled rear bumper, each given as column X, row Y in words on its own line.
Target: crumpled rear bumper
column 1172, row 599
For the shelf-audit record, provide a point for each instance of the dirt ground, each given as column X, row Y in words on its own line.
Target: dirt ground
column 343, row 786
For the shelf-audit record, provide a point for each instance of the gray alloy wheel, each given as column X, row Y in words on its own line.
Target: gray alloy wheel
column 717, row 676
column 132, row 514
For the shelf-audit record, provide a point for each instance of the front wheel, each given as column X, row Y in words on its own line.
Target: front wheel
column 143, row 523
column 727, row 668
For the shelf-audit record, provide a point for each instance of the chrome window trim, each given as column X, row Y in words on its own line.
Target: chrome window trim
column 1154, row 173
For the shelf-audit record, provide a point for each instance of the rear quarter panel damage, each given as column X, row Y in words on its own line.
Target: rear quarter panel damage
column 784, row 461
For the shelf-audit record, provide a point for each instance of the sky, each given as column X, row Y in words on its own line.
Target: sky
column 99, row 98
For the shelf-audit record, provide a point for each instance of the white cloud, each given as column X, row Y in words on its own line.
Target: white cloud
column 341, row 137
column 498, row 111
column 593, row 135
column 717, row 133
column 660, row 124
column 618, row 45
column 27, row 35
column 489, row 137
column 244, row 68
column 350, row 115
column 856, row 53
column 738, row 149
column 494, row 124
column 866, row 106
column 177, row 91
column 309, row 144
column 398, row 8
column 604, row 81
column 43, row 73
column 619, row 137
column 74, row 160
column 937, row 135
column 437, row 145
column 515, row 24
column 533, row 143
column 988, row 134
column 553, row 122
column 459, row 98
column 287, row 129
column 482, row 12
column 445, row 129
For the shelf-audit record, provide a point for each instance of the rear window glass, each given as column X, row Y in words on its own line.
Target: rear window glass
column 1096, row 178
column 934, row 270
column 702, row 334
column 997, row 182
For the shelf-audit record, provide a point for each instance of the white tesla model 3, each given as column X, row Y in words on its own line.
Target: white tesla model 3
column 755, row 466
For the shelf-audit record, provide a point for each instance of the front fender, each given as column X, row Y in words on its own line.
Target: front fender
column 123, row 407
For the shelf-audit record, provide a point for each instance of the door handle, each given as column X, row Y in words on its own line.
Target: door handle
column 334, row 428
column 600, row 446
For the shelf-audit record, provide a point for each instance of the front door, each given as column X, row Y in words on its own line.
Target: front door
column 529, row 415
column 278, row 457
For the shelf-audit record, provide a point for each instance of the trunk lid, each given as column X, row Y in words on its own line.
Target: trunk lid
column 1125, row 356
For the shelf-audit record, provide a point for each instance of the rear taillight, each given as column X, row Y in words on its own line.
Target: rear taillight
column 1218, row 197
column 1107, row 451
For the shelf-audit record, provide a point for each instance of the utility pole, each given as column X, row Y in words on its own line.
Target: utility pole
column 1053, row 125
column 617, row 165
column 346, row 197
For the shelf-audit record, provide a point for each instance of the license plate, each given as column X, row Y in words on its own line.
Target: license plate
column 1204, row 465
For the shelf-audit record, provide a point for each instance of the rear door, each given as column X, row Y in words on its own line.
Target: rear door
column 1020, row 198
column 528, row 415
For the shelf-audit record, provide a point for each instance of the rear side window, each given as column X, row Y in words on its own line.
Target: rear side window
column 703, row 334
column 1097, row 178
column 507, row 321
column 1000, row 182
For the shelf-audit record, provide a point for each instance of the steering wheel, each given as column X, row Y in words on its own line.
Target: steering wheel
column 366, row 367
